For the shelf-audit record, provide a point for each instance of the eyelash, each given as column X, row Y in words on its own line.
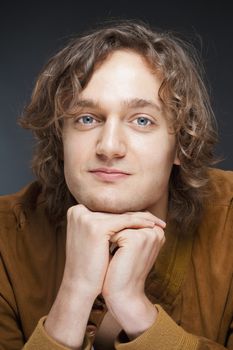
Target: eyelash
column 80, row 118
column 77, row 120
column 145, row 118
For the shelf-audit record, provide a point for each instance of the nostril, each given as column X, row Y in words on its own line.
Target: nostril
column 111, row 149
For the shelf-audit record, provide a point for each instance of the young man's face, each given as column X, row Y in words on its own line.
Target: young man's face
column 118, row 150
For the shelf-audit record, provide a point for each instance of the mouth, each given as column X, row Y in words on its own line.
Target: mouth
column 109, row 174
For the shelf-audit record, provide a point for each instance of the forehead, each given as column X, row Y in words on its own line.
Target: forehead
column 123, row 76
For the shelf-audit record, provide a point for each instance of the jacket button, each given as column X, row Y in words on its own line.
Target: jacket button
column 91, row 330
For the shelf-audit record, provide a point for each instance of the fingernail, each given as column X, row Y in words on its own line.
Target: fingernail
column 163, row 223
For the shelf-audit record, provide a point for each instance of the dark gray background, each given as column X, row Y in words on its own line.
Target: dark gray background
column 30, row 32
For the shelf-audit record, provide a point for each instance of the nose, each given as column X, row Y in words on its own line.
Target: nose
column 111, row 142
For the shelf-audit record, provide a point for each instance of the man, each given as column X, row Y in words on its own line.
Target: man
column 125, row 136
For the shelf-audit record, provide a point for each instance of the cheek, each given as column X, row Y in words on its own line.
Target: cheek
column 159, row 155
column 73, row 151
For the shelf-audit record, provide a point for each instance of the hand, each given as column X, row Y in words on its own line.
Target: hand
column 123, row 288
column 87, row 260
column 88, row 237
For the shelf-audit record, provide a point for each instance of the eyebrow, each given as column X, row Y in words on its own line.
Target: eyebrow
column 132, row 103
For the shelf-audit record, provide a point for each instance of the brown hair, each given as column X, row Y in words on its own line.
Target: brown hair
column 182, row 93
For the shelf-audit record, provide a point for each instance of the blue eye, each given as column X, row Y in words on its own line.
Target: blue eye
column 86, row 119
column 143, row 121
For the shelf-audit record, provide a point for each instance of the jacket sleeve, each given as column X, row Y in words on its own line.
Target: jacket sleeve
column 165, row 334
column 11, row 334
column 42, row 341
column 11, row 337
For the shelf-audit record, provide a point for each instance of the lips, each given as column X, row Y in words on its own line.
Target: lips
column 109, row 174
column 109, row 171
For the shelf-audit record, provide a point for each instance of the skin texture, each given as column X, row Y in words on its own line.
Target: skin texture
column 113, row 138
column 118, row 156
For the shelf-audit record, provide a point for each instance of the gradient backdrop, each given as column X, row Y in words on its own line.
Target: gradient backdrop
column 30, row 32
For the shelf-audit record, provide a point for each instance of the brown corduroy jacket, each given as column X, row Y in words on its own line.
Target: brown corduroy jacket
column 191, row 282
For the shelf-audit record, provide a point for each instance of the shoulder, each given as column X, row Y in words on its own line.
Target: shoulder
column 25, row 228
column 216, row 223
column 28, row 196
column 25, row 197
column 221, row 182
column 14, row 208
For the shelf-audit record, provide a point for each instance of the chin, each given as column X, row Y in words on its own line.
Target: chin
column 106, row 208
column 107, row 205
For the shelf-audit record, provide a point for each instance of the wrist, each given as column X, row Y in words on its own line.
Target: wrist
column 78, row 290
column 135, row 314
column 68, row 317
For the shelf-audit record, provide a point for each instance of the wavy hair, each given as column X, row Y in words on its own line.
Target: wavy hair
column 182, row 93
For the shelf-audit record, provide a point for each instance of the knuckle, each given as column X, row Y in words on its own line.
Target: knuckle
column 160, row 233
column 84, row 219
column 70, row 213
column 75, row 210
column 151, row 236
column 141, row 236
column 80, row 208
column 78, row 214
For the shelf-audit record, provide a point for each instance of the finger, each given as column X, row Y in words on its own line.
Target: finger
column 143, row 234
column 150, row 217
column 112, row 223
column 128, row 221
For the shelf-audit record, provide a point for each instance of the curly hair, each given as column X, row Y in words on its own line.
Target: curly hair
column 182, row 93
